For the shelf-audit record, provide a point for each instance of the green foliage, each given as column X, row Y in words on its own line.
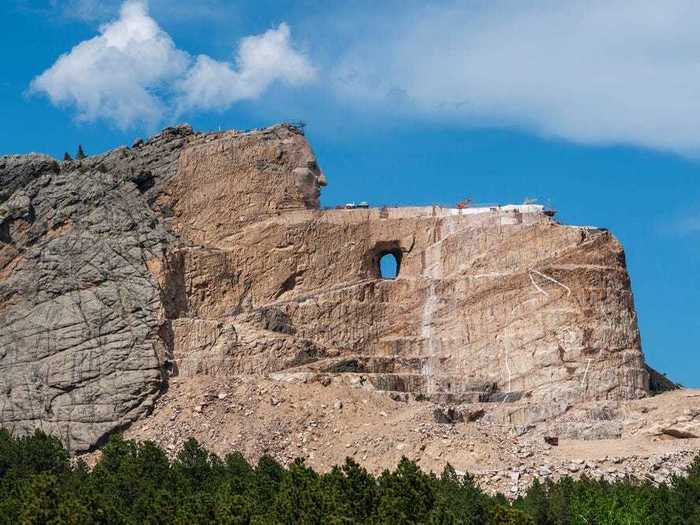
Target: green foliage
column 136, row 483
column 31, row 455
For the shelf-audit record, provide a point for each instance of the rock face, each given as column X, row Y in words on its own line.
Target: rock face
column 192, row 254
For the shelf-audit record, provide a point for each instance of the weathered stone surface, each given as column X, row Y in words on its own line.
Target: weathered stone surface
column 195, row 254
column 80, row 312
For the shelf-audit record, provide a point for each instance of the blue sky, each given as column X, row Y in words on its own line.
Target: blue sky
column 591, row 106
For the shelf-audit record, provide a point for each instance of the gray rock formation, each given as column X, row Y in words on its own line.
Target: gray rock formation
column 80, row 350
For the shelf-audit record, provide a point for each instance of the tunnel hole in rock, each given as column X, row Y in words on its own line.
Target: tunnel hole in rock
column 389, row 263
column 385, row 259
column 388, row 266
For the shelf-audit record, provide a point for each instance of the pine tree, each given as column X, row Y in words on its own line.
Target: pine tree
column 67, row 157
column 81, row 154
column 136, row 483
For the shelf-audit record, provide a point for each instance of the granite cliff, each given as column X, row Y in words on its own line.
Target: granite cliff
column 190, row 255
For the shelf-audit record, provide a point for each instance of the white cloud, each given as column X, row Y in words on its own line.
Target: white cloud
column 117, row 74
column 132, row 73
column 591, row 71
column 261, row 60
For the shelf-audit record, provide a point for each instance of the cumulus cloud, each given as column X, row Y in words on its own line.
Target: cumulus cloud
column 591, row 71
column 132, row 72
column 118, row 74
column 261, row 60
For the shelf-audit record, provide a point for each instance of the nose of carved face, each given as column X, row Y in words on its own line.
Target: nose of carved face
column 310, row 177
column 312, row 165
column 309, row 180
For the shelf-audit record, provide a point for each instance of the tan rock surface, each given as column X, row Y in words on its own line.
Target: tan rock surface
column 501, row 302
column 195, row 259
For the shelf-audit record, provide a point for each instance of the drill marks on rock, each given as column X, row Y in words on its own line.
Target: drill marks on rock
column 537, row 287
column 433, row 271
column 429, row 307
column 532, row 270
column 584, row 383
column 313, row 294
column 508, row 370
column 545, row 298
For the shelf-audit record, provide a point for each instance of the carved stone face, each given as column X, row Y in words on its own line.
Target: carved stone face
column 309, row 179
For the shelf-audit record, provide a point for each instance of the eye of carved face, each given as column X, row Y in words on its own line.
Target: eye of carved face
column 304, row 176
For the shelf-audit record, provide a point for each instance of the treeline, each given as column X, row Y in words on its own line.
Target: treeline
column 136, row 483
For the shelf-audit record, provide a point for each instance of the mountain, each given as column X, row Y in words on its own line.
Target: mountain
column 194, row 257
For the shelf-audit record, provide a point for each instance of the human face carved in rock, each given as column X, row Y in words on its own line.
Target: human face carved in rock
column 309, row 178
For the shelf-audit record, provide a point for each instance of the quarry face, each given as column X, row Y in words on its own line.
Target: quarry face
column 191, row 256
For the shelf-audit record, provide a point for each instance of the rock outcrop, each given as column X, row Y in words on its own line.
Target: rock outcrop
column 191, row 254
